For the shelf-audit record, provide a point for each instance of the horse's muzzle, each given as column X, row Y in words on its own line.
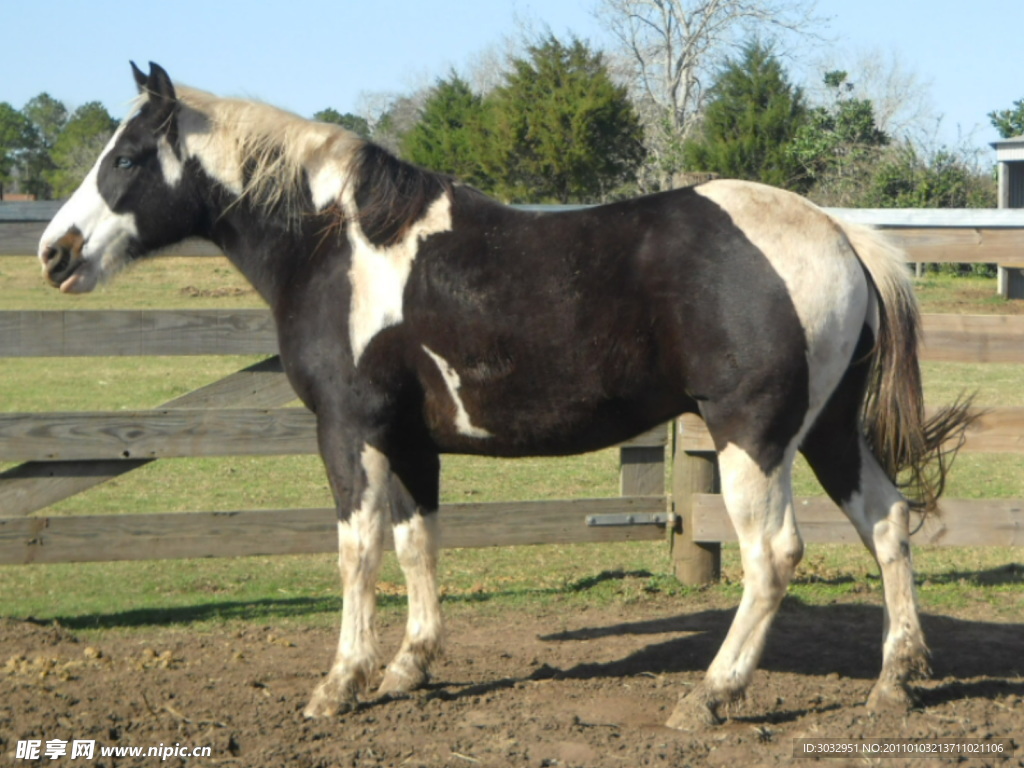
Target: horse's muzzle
column 62, row 257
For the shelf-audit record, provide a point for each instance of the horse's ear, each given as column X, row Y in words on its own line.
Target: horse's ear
column 140, row 77
column 158, row 87
column 159, row 83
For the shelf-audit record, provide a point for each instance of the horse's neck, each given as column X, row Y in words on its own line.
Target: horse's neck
column 262, row 249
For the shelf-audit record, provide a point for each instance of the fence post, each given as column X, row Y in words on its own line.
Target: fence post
column 693, row 472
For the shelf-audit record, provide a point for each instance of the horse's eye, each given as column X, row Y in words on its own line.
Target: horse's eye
column 123, row 162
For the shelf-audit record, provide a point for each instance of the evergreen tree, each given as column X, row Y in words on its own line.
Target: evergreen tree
column 358, row 125
column 559, row 129
column 48, row 117
column 1009, row 122
column 752, row 117
column 16, row 138
column 78, row 145
column 447, row 137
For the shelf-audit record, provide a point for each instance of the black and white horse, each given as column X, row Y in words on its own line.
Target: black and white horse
column 417, row 317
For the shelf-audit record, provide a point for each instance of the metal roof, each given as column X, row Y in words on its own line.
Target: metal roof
column 1009, row 150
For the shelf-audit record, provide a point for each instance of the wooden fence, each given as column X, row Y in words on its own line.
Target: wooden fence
column 62, row 454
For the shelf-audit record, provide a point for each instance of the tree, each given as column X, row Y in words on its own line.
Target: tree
column 358, row 125
column 78, row 145
column 48, row 117
column 1009, row 122
column 904, row 178
column 16, row 137
column 668, row 48
column 839, row 143
column 750, row 121
column 447, row 137
column 559, row 129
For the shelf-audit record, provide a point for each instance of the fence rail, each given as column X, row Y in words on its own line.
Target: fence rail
column 62, row 454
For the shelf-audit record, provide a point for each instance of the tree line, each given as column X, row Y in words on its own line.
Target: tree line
column 692, row 88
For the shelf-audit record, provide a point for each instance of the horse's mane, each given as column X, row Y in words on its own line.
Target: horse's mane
column 390, row 194
column 273, row 159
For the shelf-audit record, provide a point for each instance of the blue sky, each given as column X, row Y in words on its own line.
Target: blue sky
column 305, row 55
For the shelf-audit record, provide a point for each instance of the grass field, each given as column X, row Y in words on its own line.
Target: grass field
column 285, row 589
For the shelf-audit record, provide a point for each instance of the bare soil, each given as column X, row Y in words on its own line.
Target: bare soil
column 557, row 688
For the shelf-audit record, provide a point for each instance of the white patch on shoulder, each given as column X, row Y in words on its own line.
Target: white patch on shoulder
column 326, row 182
column 451, row 378
column 378, row 275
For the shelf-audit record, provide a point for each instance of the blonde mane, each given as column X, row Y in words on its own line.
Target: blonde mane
column 267, row 155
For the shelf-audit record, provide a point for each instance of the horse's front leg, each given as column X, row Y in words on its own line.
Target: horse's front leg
column 414, row 503
column 360, row 484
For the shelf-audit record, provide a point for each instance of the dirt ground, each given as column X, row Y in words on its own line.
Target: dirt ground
column 565, row 688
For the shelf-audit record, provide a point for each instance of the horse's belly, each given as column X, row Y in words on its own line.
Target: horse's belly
column 532, row 420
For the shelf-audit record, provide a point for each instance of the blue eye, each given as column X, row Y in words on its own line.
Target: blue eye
column 124, row 163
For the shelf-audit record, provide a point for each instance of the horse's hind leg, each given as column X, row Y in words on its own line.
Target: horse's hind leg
column 851, row 475
column 760, row 505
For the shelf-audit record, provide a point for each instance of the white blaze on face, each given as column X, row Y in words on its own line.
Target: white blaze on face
column 378, row 275
column 106, row 233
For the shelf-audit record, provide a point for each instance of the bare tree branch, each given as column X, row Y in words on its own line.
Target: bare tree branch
column 669, row 47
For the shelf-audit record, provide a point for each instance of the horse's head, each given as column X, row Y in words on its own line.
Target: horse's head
column 134, row 200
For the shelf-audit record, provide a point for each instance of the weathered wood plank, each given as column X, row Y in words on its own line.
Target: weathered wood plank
column 117, row 333
column 961, row 522
column 28, row 333
column 162, row 434
column 303, row 531
column 997, row 430
column 642, row 471
column 35, row 485
column 169, row 433
column 37, row 211
column 973, row 338
column 20, row 238
column 22, row 226
column 956, row 244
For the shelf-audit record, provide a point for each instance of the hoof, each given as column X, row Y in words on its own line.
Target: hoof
column 698, row 709
column 401, row 679
column 891, row 697
column 321, row 706
column 334, row 696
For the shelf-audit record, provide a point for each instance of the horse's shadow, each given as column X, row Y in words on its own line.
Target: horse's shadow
column 982, row 659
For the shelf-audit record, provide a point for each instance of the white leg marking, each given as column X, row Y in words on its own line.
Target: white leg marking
column 360, row 543
column 881, row 516
column 452, row 379
column 761, row 509
column 416, row 544
column 378, row 275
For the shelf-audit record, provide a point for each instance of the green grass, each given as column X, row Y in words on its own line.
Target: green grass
column 303, row 589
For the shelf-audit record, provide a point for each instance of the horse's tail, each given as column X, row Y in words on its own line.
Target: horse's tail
column 915, row 450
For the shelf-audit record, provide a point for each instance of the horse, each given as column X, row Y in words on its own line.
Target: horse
column 417, row 317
